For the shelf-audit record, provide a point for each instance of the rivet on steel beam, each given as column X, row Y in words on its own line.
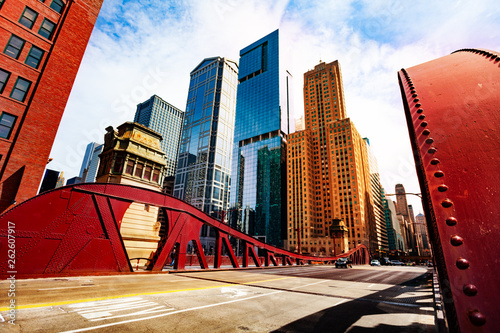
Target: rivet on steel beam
column 425, row 131
column 477, row 318
column 438, row 174
column 416, row 100
column 429, row 141
column 470, row 290
column 446, row 203
column 442, row 188
column 422, row 116
column 462, row 263
column 414, row 95
column 432, row 150
column 418, row 105
column 451, row 221
column 434, row 161
column 456, row 240
column 423, row 124
column 420, row 110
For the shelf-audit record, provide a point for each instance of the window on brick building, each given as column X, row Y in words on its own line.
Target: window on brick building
column 4, row 77
column 138, row 170
column 14, row 47
column 28, row 17
column 57, row 5
column 20, row 89
column 34, row 57
column 130, row 167
column 46, row 29
column 7, row 122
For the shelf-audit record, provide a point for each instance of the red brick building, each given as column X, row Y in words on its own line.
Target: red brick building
column 42, row 43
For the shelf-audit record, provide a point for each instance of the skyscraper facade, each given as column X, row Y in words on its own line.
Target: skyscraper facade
column 165, row 119
column 43, row 43
column 204, row 166
column 87, row 157
column 378, row 228
column 263, row 110
column 329, row 182
column 90, row 164
column 404, row 216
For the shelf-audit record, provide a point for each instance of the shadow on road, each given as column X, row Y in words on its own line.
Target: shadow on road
column 376, row 312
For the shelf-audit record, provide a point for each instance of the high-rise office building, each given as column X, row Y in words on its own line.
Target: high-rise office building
column 378, row 228
column 421, row 228
column 86, row 158
column 90, row 164
column 330, row 205
column 204, row 164
column 394, row 236
column 43, row 43
column 258, row 204
column 167, row 120
column 404, row 216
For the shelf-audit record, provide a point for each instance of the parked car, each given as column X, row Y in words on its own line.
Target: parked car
column 343, row 262
column 396, row 263
column 429, row 264
column 374, row 262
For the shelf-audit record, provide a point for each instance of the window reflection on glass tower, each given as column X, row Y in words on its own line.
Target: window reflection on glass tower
column 258, row 204
column 204, row 164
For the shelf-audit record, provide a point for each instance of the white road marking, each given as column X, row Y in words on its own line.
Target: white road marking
column 68, row 287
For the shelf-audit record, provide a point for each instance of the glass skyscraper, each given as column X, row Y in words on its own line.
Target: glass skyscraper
column 165, row 119
column 204, row 166
column 258, row 203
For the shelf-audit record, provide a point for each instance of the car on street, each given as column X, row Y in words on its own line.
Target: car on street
column 342, row 262
column 396, row 263
column 374, row 262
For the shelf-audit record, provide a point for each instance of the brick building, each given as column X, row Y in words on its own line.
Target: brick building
column 330, row 202
column 42, row 43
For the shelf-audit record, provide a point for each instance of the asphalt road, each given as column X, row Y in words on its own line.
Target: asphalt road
column 292, row 299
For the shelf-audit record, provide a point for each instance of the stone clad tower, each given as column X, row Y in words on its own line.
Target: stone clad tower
column 132, row 155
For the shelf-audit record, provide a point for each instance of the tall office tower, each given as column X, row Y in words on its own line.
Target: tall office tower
column 259, row 159
column 90, row 164
column 407, row 225
column 338, row 195
column 394, row 237
column 86, row 158
column 204, row 166
column 421, row 228
column 378, row 228
column 165, row 119
column 91, row 173
column 43, row 43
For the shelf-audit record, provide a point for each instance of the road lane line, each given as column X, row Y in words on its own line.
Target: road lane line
column 67, row 287
column 42, row 305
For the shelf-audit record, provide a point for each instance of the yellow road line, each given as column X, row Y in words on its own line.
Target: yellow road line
column 33, row 306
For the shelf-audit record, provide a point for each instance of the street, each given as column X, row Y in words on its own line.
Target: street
column 283, row 299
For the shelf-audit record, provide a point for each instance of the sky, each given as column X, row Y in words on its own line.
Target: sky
column 140, row 48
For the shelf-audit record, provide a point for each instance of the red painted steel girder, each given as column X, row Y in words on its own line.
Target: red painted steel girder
column 452, row 107
column 75, row 230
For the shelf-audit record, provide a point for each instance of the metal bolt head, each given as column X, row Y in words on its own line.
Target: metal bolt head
column 420, row 110
column 422, row 116
column 429, row 141
column 442, row 188
column 434, row 161
column 446, row 203
column 423, row 124
column 426, row 131
column 462, row 263
column 470, row 290
column 438, row 174
column 451, row 221
column 456, row 240
column 477, row 318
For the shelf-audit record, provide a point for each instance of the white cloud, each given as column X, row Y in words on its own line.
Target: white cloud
column 140, row 48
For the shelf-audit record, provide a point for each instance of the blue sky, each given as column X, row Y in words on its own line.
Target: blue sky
column 140, row 48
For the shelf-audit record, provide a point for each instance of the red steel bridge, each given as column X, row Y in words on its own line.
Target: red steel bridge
column 452, row 107
column 76, row 230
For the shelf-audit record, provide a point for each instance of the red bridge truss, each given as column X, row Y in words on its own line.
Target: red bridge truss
column 76, row 230
column 452, row 107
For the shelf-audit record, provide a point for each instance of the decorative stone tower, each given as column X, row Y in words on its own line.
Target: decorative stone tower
column 132, row 155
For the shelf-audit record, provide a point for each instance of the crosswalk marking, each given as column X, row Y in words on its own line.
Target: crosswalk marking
column 116, row 308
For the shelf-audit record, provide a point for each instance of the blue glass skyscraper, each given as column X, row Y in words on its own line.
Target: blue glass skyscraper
column 258, row 196
column 167, row 120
